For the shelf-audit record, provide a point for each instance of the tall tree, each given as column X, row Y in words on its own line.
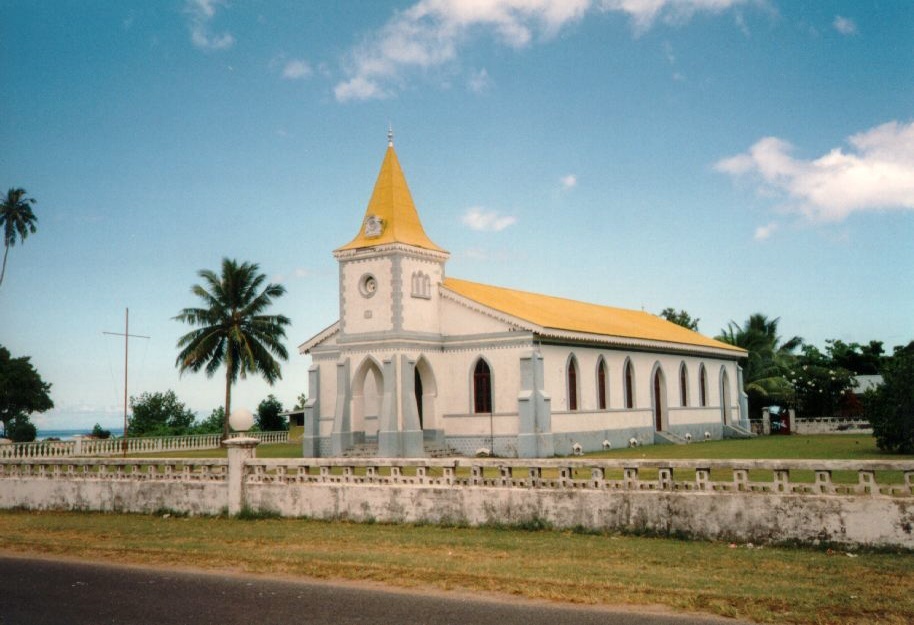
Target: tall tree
column 159, row 414
column 22, row 391
column 267, row 417
column 232, row 329
column 769, row 362
column 890, row 407
column 680, row 318
column 18, row 221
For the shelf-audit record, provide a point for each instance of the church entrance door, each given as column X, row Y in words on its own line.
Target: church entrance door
column 725, row 397
column 659, row 399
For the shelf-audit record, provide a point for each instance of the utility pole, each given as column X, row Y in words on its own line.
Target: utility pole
column 127, row 336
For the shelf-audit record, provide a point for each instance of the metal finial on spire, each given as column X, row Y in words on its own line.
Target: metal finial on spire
column 390, row 135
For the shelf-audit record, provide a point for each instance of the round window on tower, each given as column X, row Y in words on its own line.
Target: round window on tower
column 368, row 285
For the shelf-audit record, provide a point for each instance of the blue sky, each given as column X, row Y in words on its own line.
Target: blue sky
column 724, row 157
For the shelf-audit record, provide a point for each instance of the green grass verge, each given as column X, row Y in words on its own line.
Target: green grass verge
column 770, row 585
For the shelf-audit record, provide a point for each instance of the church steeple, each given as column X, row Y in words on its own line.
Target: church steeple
column 391, row 216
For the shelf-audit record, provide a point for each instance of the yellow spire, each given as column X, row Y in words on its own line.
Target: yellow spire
column 391, row 216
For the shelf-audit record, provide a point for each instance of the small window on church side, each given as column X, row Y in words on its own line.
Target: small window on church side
column 482, row 387
column 629, row 383
column 702, row 386
column 683, row 385
column 601, row 385
column 572, row 384
column 421, row 285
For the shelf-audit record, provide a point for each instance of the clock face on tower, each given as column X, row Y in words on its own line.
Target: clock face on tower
column 368, row 285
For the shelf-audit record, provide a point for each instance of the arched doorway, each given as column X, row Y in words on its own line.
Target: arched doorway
column 725, row 402
column 659, row 399
column 426, row 392
column 367, row 389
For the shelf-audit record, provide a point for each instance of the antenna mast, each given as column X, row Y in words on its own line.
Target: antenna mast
column 127, row 336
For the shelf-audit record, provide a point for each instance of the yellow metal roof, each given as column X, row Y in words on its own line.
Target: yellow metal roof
column 392, row 203
column 570, row 315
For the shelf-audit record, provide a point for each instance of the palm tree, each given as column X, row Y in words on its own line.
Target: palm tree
column 769, row 360
column 232, row 329
column 17, row 219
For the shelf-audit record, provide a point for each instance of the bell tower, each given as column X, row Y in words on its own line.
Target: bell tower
column 390, row 272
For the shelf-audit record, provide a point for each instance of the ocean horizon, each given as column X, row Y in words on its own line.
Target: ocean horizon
column 70, row 434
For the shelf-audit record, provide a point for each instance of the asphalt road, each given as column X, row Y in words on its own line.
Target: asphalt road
column 53, row 592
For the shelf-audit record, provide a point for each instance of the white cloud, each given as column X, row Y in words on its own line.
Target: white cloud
column 844, row 25
column 764, row 232
column 480, row 219
column 429, row 34
column 479, row 81
column 569, row 181
column 877, row 173
column 201, row 13
column 644, row 13
column 296, row 69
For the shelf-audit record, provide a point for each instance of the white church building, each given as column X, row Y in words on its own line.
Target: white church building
column 419, row 359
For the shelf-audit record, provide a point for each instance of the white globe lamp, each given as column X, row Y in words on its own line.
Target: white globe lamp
column 241, row 420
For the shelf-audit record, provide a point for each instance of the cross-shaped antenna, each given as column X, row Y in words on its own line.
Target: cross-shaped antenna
column 127, row 336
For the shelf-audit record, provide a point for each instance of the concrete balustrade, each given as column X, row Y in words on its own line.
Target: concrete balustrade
column 98, row 447
column 753, row 500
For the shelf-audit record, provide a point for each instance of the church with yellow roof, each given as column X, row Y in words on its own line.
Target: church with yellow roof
column 421, row 363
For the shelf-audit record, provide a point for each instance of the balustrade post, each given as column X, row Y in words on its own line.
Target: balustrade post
column 534, row 476
column 824, row 484
column 239, row 451
column 741, row 479
column 782, row 480
column 665, row 478
column 866, row 482
column 598, row 477
column 630, row 478
column 909, row 481
column 566, row 477
column 702, row 478
column 507, row 473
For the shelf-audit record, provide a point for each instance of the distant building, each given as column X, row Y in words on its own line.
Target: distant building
column 860, row 384
column 418, row 358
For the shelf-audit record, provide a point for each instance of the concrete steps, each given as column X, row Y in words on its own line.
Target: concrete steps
column 735, row 431
column 668, row 438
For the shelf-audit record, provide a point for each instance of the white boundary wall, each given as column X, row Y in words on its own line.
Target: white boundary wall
column 745, row 501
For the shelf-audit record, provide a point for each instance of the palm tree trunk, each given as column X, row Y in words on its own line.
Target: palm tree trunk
column 228, row 397
column 3, row 271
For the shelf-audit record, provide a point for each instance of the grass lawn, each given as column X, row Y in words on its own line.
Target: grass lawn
column 768, row 585
column 818, row 446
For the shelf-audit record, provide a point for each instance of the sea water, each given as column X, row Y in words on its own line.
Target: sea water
column 68, row 435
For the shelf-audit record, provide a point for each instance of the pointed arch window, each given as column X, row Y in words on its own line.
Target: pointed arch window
column 702, row 386
column 482, row 387
column 683, row 385
column 601, row 384
column 628, row 384
column 572, row 375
